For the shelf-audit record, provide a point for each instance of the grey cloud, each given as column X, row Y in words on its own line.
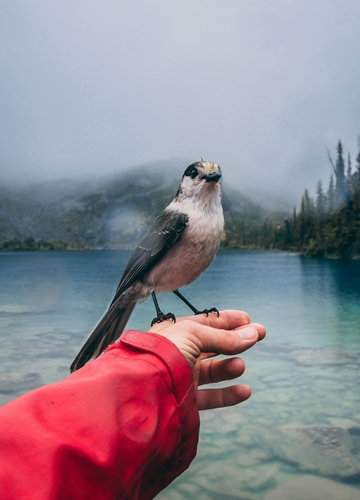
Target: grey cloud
column 260, row 87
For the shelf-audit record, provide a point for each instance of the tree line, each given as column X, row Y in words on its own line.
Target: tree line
column 30, row 244
column 329, row 224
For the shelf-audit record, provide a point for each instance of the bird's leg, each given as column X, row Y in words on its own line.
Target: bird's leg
column 160, row 316
column 194, row 310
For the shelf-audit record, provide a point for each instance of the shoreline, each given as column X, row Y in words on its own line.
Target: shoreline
column 70, row 247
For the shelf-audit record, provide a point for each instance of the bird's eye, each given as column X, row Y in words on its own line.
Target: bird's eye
column 191, row 171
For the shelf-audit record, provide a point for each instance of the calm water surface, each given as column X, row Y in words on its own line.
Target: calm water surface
column 299, row 434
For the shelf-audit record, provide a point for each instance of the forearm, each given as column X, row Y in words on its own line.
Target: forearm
column 116, row 428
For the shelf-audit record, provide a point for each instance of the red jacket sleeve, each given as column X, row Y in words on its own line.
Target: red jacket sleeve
column 124, row 426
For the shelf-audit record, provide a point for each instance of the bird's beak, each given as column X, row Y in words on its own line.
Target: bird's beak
column 214, row 177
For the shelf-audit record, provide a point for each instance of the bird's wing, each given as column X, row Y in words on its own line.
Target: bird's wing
column 163, row 233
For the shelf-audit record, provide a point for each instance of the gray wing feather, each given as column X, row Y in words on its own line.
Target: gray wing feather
column 162, row 235
column 107, row 331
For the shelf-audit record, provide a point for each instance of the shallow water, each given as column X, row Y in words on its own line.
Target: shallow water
column 299, row 434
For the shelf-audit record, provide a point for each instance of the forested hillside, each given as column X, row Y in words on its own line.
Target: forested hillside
column 114, row 212
column 329, row 225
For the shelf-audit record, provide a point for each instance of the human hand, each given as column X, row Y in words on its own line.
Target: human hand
column 200, row 338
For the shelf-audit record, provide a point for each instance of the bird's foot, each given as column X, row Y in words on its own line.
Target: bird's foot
column 207, row 311
column 163, row 317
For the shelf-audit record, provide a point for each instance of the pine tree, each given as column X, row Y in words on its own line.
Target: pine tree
column 348, row 172
column 295, row 228
column 288, row 234
column 331, row 195
column 350, row 184
column 302, row 223
column 309, row 205
column 331, row 225
column 320, row 201
column 340, row 186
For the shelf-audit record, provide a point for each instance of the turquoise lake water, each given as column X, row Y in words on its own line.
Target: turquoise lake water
column 297, row 437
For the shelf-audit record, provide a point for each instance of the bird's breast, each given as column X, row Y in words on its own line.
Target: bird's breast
column 190, row 255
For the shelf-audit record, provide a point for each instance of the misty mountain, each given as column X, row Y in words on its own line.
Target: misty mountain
column 113, row 212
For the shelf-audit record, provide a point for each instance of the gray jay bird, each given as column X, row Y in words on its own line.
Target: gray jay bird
column 177, row 248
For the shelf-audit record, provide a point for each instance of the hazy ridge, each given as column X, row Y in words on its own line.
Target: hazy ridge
column 109, row 213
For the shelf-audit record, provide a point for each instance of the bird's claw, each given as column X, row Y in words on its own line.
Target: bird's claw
column 163, row 317
column 207, row 311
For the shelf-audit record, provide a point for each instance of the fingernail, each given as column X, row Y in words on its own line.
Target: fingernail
column 247, row 333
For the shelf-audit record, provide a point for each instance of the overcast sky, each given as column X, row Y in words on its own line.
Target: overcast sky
column 260, row 87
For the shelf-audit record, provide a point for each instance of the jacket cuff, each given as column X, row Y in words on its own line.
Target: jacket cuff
column 158, row 345
column 179, row 379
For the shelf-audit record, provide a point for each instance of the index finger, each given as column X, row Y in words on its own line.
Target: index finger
column 210, row 339
column 227, row 320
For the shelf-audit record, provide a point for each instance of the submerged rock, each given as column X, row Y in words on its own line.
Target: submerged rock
column 305, row 356
column 15, row 382
column 227, row 478
column 313, row 488
column 321, row 357
column 323, row 450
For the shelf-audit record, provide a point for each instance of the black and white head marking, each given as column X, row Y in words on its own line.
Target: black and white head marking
column 196, row 176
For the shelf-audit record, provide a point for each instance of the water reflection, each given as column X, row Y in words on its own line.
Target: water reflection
column 332, row 276
column 331, row 298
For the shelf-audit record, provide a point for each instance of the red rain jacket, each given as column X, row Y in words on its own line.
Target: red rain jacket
column 122, row 427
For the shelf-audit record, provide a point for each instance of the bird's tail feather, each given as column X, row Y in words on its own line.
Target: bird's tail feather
column 107, row 331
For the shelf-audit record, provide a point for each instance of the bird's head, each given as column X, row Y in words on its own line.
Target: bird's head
column 200, row 178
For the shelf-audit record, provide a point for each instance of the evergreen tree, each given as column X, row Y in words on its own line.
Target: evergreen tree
column 350, row 185
column 340, row 185
column 307, row 202
column 331, row 195
column 302, row 222
column 331, row 225
column 320, row 201
column 348, row 172
column 295, row 228
column 288, row 234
